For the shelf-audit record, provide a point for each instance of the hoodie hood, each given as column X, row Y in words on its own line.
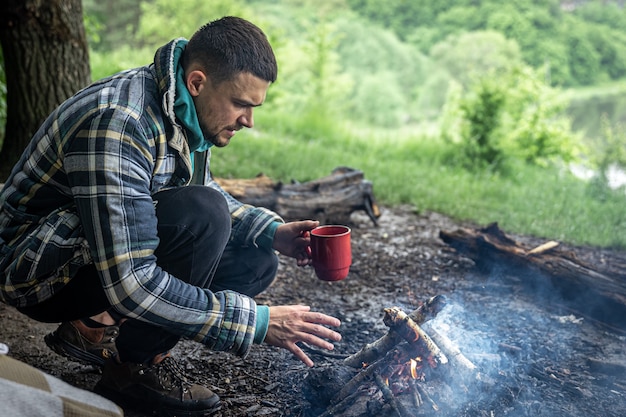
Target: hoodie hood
column 177, row 102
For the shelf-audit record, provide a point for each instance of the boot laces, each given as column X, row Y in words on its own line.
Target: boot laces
column 171, row 374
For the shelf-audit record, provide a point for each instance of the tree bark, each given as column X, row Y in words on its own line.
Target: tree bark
column 46, row 60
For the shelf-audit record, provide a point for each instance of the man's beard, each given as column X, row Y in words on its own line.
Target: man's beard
column 209, row 136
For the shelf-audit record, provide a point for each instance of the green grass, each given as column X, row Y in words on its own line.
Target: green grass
column 407, row 167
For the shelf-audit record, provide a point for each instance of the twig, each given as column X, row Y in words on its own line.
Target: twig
column 424, row 394
column 417, row 398
column 510, row 348
column 249, row 375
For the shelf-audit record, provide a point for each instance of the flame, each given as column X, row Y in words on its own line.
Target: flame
column 414, row 364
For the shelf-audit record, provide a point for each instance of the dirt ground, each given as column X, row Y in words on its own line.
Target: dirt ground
column 535, row 356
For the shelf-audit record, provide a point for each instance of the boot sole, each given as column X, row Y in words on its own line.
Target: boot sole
column 154, row 409
column 70, row 351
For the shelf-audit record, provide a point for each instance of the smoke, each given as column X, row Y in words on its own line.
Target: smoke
column 519, row 339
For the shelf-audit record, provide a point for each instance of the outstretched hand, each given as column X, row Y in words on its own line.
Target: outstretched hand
column 291, row 324
column 292, row 239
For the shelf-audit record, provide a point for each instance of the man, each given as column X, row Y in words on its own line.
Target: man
column 111, row 224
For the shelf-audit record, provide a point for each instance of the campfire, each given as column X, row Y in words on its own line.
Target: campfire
column 396, row 370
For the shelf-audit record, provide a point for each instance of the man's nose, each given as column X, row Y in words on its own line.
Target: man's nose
column 247, row 119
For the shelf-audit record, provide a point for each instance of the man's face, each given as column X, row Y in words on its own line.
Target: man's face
column 227, row 107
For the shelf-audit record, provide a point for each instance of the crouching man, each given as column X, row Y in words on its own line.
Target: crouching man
column 111, row 224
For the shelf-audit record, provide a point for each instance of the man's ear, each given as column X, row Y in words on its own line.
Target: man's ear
column 196, row 82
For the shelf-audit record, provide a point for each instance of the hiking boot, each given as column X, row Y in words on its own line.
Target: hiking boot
column 160, row 388
column 91, row 346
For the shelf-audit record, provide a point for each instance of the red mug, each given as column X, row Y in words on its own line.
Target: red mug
column 331, row 252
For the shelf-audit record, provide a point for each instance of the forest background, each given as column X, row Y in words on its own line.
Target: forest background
column 482, row 110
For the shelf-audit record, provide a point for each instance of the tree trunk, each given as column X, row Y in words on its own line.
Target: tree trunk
column 46, row 60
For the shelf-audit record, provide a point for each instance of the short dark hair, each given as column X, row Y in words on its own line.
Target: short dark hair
column 229, row 46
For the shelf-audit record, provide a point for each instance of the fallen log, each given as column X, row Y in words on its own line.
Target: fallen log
column 547, row 270
column 331, row 199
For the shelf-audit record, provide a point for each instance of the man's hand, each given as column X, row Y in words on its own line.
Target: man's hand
column 292, row 239
column 291, row 324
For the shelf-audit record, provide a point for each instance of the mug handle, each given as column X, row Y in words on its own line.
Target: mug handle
column 306, row 234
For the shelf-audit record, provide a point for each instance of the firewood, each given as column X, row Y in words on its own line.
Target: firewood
column 405, row 345
column 359, row 378
column 424, row 394
column 372, row 351
column 400, row 354
column 452, row 351
column 607, row 367
column 390, row 398
column 410, row 331
column 329, row 199
column 417, row 398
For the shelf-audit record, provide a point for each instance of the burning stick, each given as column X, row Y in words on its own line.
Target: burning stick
column 458, row 359
column 372, row 351
column 410, row 331
column 390, row 398
column 358, row 379
column 400, row 355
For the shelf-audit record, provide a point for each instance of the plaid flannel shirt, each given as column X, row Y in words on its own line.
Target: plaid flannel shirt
column 82, row 193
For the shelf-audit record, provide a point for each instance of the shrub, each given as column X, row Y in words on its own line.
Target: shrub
column 480, row 113
column 509, row 114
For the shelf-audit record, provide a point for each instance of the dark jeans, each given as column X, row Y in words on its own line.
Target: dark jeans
column 194, row 229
